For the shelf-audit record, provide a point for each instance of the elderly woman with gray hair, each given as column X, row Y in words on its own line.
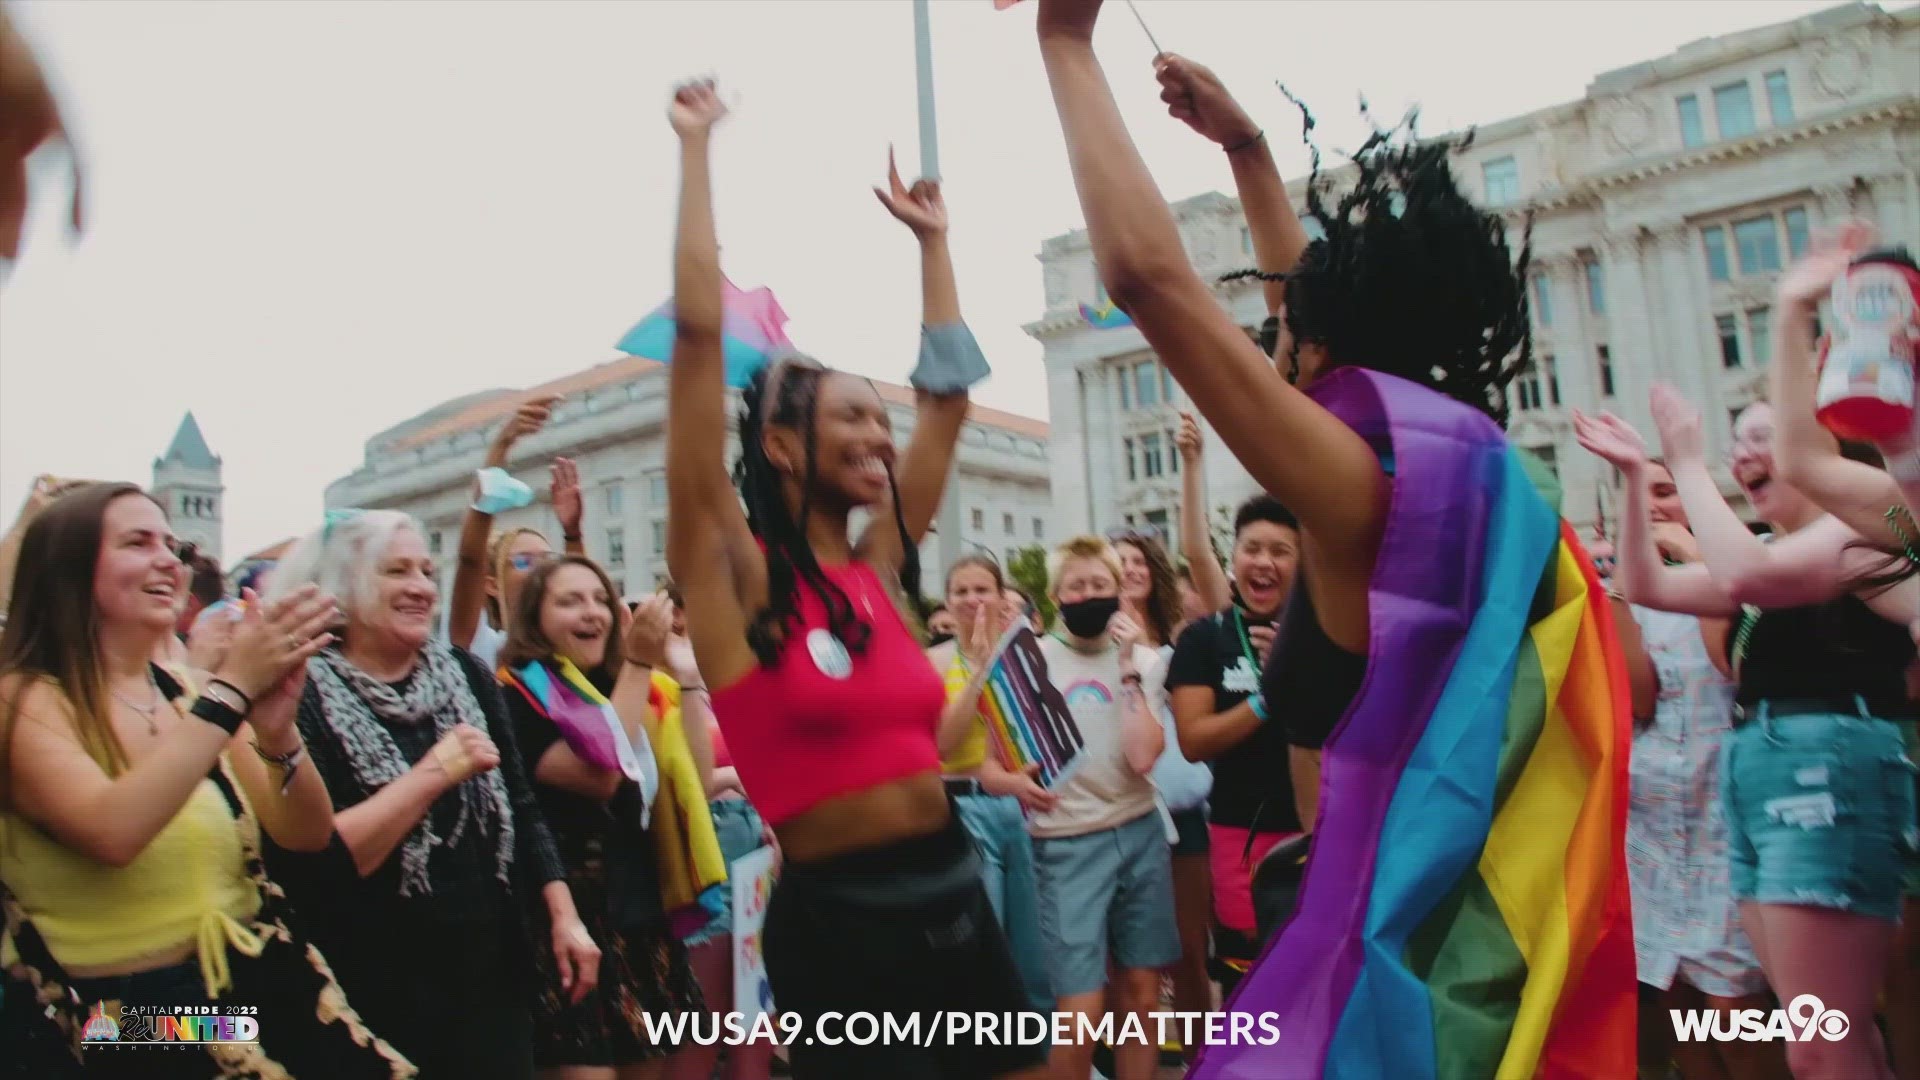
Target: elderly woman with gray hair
column 419, row 903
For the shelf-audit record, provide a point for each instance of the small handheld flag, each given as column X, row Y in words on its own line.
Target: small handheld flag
column 753, row 331
column 1028, row 722
column 1104, row 317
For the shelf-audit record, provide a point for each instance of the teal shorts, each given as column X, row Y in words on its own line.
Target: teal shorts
column 1820, row 811
column 1106, row 896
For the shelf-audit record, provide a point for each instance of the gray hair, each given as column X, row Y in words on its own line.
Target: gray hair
column 342, row 557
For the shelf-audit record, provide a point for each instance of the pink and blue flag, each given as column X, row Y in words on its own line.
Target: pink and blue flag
column 1104, row 317
column 753, row 331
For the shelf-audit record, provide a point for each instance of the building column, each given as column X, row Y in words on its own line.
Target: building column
column 1573, row 356
column 1689, row 354
column 1629, row 304
column 1067, row 449
column 1100, row 456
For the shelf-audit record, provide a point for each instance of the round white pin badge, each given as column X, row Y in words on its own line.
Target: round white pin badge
column 829, row 655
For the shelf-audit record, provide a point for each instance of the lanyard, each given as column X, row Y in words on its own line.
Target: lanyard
column 1246, row 643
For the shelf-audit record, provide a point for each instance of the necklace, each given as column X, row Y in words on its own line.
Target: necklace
column 146, row 711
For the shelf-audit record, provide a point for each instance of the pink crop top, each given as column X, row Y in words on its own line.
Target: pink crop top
column 824, row 722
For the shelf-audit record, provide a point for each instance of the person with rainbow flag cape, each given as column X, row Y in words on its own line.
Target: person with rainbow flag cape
column 1446, row 667
column 621, row 783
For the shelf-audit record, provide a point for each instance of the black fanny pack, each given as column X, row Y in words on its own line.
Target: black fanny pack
column 1276, row 882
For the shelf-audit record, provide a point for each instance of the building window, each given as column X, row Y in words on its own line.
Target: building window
column 616, row 502
column 1728, row 330
column 1596, row 286
column 1529, row 391
column 1127, row 445
column 433, row 542
column 1692, row 132
column 659, row 537
column 1540, row 387
column 1157, row 525
column 1715, row 239
column 657, row 488
column 1166, row 384
column 1150, row 465
column 1760, row 334
column 1548, row 457
column 1758, row 243
column 1246, row 241
column 1146, row 384
column 1542, row 300
column 1502, row 179
column 979, row 520
column 616, row 547
column 1553, row 381
column 1605, row 355
column 1779, row 98
column 1039, row 529
column 1126, row 390
column 1796, row 221
column 1006, row 524
column 1733, row 109
column 1173, row 453
column 619, row 588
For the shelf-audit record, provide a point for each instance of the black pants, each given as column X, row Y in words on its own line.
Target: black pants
column 902, row 929
column 456, row 1000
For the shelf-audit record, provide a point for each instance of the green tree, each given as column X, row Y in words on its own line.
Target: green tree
column 1027, row 568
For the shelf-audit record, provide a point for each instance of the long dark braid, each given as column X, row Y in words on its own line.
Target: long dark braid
column 1411, row 278
column 790, row 559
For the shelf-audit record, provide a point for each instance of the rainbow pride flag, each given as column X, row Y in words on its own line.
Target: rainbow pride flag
column 1104, row 317
column 563, row 694
column 1026, row 717
column 1464, row 914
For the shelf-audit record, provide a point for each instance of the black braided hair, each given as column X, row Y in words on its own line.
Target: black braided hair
column 1411, row 278
column 790, row 559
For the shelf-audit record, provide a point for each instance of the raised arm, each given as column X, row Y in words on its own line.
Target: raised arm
column 950, row 362
column 563, row 486
column 1808, row 566
column 1309, row 460
column 1196, row 96
column 1805, row 454
column 710, row 550
column 1196, row 540
column 476, row 529
column 1643, row 577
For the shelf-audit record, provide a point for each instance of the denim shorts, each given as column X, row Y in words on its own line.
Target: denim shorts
column 1820, row 811
column 1108, row 893
column 738, row 828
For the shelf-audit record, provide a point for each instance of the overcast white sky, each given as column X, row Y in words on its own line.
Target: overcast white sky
column 313, row 220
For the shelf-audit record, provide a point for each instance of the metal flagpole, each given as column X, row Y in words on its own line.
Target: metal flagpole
column 923, row 70
column 951, row 541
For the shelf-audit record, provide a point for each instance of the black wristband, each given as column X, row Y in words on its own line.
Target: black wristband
column 218, row 713
column 1253, row 141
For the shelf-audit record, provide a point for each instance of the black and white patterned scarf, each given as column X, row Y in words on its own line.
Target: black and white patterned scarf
column 358, row 707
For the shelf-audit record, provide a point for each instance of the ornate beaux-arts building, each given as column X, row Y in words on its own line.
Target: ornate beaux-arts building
column 612, row 424
column 1665, row 202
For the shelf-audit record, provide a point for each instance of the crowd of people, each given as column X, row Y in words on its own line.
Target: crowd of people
column 488, row 836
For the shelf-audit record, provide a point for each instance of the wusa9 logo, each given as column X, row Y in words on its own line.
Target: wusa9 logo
column 1805, row 1019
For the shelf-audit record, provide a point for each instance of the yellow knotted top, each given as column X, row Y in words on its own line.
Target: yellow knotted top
column 189, row 885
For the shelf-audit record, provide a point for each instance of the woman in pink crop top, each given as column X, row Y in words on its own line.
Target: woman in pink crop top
column 828, row 704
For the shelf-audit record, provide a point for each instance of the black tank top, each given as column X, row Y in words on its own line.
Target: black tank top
column 1834, row 649
column 1309, row 681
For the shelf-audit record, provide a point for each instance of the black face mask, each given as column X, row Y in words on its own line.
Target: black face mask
column 938, row 640
column 1089, row 618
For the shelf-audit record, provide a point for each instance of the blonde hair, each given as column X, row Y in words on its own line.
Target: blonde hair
column 498, row 553
column 1080, row 547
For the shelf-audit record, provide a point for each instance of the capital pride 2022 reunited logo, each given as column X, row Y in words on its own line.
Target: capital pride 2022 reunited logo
column 1805, row 1019
column 157, row 1025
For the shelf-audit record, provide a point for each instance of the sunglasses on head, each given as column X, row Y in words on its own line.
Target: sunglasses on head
column 527, row 560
